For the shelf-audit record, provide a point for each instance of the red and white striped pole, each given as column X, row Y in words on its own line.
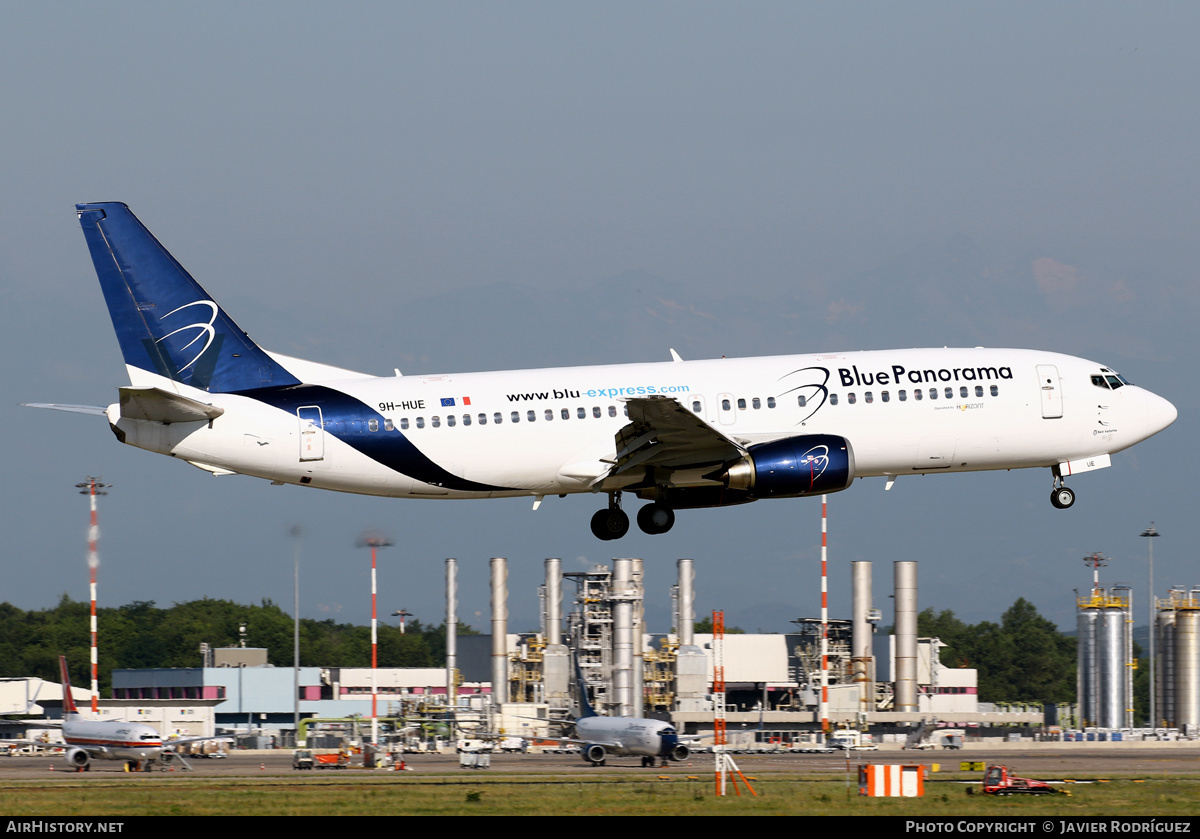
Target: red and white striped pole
column 90, row 489
column 374, row 541
column 824, row 617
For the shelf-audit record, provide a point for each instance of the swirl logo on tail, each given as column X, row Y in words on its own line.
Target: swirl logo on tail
column 205, row 331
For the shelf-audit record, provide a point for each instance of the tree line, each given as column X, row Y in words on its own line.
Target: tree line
column 143, row 635
column 1024, row 658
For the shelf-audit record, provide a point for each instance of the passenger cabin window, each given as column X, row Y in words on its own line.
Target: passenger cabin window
column 387, row 425
column 884, row 396
column 995, row 390
column 726, row 405
column 549, row 414
column 516, row 416
column 801, row 401
column 420, row 422
column 436, row 422
column 581, row 413
column 933, row 393
column 979, row 390
column 566, row 413
column 696, row 406
column 962, row 392
column 373, row 425
column 531, row 416
column 851, row 398
column 918, row 394
column 903, row 395
column 741, row 404
column 756, row 403
column 497, row 417
column 483, row 419
column 612, row 410
column 466, row 419
column 596, row 411
column 770, row 401
column 450, row 421
column 832, row 398
column 869, row 397
column 404, row 423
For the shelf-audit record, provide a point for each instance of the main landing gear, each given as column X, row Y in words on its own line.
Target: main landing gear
column 613, row 523
column 1061, row 496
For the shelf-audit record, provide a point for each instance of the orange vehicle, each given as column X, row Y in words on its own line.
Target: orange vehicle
column 335, row 761
column 998, row 781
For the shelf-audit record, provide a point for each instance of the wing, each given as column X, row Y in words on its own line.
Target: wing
column 179, row 741
column 663, row 435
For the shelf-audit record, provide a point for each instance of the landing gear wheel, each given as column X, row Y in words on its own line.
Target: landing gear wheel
column 655, row 518
column 610, row 524
column 1062, row 498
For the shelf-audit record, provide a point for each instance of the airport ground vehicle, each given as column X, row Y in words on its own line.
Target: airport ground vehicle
column 340, row 760
column 302, row 759
column 998, row 781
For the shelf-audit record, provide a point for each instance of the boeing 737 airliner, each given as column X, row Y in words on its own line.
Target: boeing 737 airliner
column 678, row 434
column 139, row 745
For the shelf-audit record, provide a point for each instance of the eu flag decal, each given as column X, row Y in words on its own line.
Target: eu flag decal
column 448, row 403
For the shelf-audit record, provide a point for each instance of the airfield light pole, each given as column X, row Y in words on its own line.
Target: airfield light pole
column 91, row 488
column 374, row 541
column 1096, row 561
column 1150, row 533
column 295, row 531
column 824, row 618
column 402, row 614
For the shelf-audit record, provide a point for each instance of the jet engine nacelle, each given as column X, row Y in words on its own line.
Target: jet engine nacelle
column 595, row 754
column 811, row 464
column 79, row 758
column 680, row 752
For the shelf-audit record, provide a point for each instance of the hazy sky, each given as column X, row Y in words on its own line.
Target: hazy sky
column 322, row 168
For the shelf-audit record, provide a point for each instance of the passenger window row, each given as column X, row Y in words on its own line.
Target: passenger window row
column 497, row 418
column 964, row 392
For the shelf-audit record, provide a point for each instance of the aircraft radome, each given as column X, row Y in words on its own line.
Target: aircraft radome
column 677, row 434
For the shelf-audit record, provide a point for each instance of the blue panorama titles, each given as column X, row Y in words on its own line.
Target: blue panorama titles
column 853, row 378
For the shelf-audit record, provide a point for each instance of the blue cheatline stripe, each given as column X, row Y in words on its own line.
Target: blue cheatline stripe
column 390, row 448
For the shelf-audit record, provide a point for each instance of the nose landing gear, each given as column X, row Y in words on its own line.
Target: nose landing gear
column 1061, row 496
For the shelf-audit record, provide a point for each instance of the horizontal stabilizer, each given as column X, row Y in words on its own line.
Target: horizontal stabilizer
column 156, row 405
column 74, row 409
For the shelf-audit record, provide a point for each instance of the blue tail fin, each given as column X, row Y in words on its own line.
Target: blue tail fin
column 585, row 707
column 166, row 323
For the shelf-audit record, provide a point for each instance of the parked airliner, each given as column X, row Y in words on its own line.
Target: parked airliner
column 139, row 745
column 677, row 434
column 599, row 736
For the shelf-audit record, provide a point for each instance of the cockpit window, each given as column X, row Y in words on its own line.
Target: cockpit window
column 1100, row 382
column 1114, row 379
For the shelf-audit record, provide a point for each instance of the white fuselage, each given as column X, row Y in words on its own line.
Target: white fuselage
column 627, row 735
column 112, row 740
column 551, row 431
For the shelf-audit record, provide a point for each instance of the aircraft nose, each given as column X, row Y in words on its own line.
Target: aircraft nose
column 1159, row 413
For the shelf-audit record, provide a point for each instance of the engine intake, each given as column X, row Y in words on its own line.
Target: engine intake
column 795, row 466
